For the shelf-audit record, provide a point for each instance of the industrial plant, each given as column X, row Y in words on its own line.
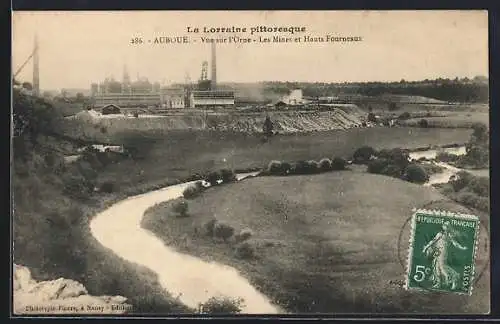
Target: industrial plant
column 143, row 93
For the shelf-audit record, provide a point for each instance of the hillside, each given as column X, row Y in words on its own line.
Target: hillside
column 52, row 205
column 325, row 243
column 284, row 122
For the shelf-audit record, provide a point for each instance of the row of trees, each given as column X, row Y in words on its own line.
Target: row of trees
column 457, row 90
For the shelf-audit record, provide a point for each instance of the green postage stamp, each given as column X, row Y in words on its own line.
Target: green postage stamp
column 442, row 251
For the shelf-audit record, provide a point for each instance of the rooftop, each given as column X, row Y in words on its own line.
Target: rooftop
column 223, row 94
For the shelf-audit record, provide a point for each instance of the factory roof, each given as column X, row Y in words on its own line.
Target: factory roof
column 223, row 94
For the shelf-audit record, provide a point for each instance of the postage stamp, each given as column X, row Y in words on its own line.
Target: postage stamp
column 442, row 251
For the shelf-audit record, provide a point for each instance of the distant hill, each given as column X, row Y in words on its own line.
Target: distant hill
column 437, row 91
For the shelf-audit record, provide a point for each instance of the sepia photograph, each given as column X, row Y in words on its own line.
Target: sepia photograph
column 215, row 163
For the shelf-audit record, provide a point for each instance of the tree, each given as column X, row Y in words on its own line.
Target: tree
column 415, row 173
column 479, row 134
column 181, row 208
column 268, row 126
column 372, row 118
column 423, row 123
column 363, row 154
column 32, row 117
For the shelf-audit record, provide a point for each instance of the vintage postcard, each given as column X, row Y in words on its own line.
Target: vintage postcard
column 251, row 162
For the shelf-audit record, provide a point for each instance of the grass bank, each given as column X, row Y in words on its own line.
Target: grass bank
column 323, row 243
column 52, row 237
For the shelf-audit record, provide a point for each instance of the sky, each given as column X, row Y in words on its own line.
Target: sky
column 78, row 48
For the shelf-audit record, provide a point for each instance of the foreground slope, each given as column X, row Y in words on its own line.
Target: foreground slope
column 324, row 243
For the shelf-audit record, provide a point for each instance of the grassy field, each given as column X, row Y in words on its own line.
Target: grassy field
column 426, row 107
column 452, row 120
column 181, row 153
column 324, row 243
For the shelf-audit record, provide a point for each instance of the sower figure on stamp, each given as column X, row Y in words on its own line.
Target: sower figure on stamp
column 438, row 249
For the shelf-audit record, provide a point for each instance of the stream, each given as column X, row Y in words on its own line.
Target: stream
column 193, row 280
column 448, row 171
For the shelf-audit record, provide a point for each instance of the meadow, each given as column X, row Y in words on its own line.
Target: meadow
column 334, row 242
column 451, row 120
column 179, row 154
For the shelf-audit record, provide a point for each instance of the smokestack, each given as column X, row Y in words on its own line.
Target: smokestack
column 36, row 69
column 214, row 68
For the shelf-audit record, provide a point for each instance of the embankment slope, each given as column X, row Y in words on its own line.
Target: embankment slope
column 87, row 123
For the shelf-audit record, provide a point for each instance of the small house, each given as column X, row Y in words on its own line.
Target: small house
column 111, row 109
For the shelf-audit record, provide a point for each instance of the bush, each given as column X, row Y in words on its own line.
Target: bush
column 363, row 154
column 279, row 168
column 313, row 166
column 415, row 173
column 223, row 231
column 372, row 118
column 432, row 168
column 210, row 226
column 446, row 157
column 460, row 180
column 480, row 134
column 243, row 235
column 378, row 165
column 181, row 208
column 477, row 156
column 393, row 170
column 192, row 191
column 213, row 177
column 325, row 164
column 274, row 167
column 227, row 176
column 222, row 305
column 423, row 123
column 338, row 163
column 245, row 251
column 107, row 187
column 305, row 167
column 396, row 156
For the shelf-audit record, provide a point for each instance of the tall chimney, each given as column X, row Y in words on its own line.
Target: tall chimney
column 36, row 69
column 213, row 84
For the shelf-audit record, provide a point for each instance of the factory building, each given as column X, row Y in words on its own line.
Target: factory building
column 207, row 95
column 294, row 98
column 212, row 99
column 173, row 98
column 127, row 100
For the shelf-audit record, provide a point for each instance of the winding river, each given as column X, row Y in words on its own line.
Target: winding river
column 192, row 279
column 448, row 171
